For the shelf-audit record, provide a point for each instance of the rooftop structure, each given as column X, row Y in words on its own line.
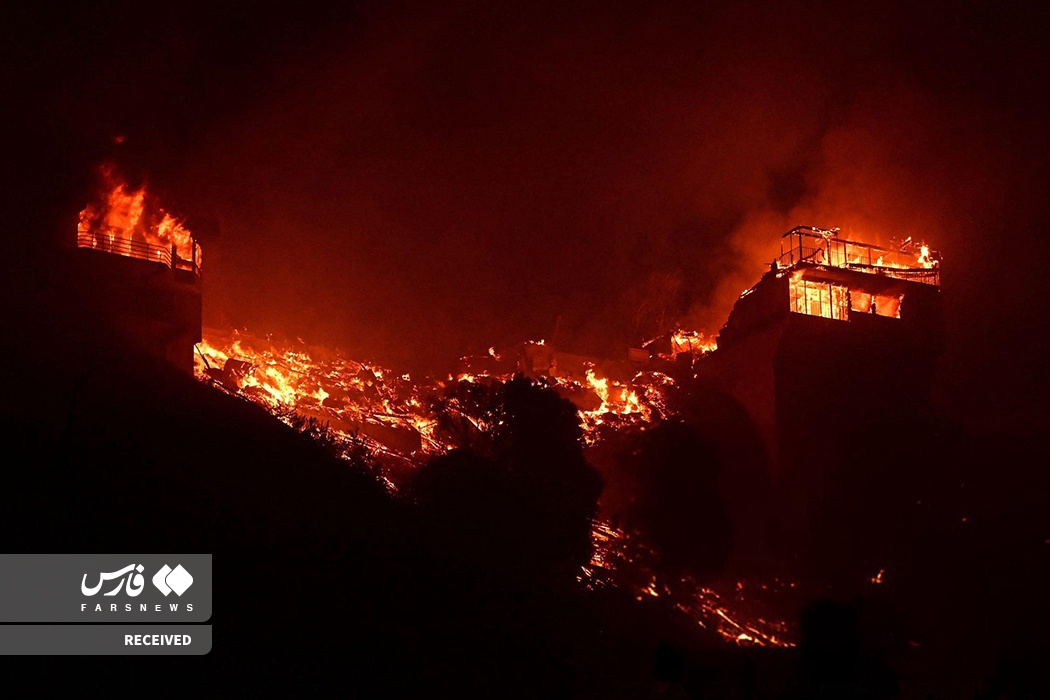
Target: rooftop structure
column 835, row 339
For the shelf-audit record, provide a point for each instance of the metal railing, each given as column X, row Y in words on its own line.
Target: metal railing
column 813, row 246
column 164, row 254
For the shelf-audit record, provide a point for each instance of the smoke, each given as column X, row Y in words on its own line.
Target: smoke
column 882, row 172
column 899, row 164
column 468, row 177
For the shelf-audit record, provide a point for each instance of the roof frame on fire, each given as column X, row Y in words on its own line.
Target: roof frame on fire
column 805, row 246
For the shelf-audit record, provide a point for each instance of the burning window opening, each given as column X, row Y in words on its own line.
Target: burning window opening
column 819, row 299
column 128, row 222
column 888, row 305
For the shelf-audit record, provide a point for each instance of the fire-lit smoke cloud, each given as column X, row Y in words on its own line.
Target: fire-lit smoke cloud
column 900, row 164
column 468, row 177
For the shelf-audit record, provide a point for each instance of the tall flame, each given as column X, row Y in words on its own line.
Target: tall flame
column 123, row 213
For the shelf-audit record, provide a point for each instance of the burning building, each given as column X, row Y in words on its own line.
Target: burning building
column 837, row 337
column 138, row 269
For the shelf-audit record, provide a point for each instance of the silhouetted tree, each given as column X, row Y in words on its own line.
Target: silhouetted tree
column 528, row 502
column 462, row 502
column 677, row 506
column 656, row 304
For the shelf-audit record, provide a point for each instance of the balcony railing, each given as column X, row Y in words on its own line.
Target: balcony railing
column 142, row 250
column 806, row 245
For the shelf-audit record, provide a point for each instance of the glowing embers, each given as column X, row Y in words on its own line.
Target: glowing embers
column 621, row 559
column 815, row 298
column 392, row 412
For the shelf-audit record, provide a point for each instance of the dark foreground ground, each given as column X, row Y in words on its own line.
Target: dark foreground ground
column 326, row 584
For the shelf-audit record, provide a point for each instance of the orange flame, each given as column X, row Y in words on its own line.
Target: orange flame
column 123, row 215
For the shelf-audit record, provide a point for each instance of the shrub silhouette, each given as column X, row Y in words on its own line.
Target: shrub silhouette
column 523, row 501
column 677, row 506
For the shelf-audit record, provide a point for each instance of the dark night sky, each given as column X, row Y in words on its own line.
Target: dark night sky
column 416, row 182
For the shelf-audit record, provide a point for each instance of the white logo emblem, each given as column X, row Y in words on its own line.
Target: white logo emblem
column 167, row 580
column 134, row 580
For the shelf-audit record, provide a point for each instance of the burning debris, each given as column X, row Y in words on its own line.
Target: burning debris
column 400, row 416
column 622, row 559
column 355, row 399
column 679, row 342
column 403, row 422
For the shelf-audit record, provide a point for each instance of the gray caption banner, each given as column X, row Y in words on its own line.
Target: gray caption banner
column 105, row 588
column 105, row 640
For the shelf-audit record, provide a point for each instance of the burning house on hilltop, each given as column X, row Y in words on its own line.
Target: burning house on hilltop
column 837, row 337
column 139, row 269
